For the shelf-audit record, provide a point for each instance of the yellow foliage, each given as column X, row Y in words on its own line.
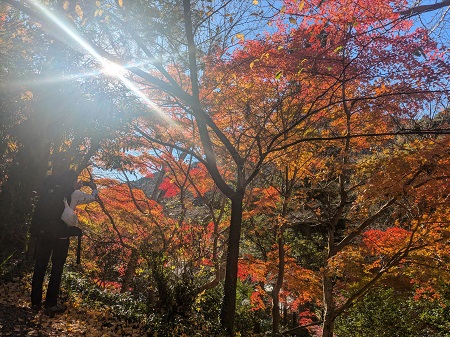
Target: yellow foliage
column 27, row 95
column 79, row 11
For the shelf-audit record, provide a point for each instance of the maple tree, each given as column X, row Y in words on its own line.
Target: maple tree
column 267, row 217
column 401, row 238
column 166, row 235
column 338, row 39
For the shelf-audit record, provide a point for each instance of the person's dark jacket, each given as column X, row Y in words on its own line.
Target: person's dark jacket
column 47, row 215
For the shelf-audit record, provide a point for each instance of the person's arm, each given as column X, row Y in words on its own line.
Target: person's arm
column 79, row 197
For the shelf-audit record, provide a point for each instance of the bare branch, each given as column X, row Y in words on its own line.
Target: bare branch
column 424, row 8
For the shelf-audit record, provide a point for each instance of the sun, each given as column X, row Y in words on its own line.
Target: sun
column 113, row 69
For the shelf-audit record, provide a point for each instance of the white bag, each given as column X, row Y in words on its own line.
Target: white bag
column 69, row 216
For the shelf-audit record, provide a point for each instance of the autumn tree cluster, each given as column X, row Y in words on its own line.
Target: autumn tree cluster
column 262, row 166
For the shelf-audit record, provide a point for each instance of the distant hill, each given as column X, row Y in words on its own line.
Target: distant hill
column 149, row 185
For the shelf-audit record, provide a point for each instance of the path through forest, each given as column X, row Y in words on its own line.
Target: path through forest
column 18, row 320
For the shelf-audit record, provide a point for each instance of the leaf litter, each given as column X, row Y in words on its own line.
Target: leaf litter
column 17, row 319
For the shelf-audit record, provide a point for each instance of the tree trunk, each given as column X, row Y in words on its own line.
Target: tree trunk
column 229, row 300
column 328, row 319
column 130, row 271
column 275, row 312
column 276, row 290
column 294, row 319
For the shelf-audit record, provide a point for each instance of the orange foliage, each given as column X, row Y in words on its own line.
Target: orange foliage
column 382, row 242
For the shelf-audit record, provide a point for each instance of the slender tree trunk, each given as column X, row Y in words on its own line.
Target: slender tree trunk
column 229, row 300
column 275, row 311
column 281, row 256
column 130, row 271
column 276, row 290
column 328, row 319
column 294, row 319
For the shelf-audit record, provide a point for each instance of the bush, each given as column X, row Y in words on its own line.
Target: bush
column 390, row 313
column 81, row 290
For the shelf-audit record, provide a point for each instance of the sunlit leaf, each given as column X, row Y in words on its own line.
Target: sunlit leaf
column 79, row 11
column 98, row 12
column 27, row 95
column 301, row 5
column 279, row 74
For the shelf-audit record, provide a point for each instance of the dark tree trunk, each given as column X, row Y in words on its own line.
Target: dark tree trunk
column 276, row 290
column 329, row 317
column 130, row 271
column 229, row 300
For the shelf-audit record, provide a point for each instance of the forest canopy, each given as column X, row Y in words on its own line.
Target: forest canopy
column 275, row 166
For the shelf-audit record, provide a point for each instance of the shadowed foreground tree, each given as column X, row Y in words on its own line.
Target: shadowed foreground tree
column 52, row 115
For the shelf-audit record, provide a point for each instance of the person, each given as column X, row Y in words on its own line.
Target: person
column 78, row 197
column 53, row 235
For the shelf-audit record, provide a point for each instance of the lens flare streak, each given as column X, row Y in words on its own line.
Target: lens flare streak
column 108, row 67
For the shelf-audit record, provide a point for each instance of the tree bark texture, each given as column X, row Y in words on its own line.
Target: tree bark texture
column 329, row 317
column 276, row 290
column 228, row 310
column 130, row 271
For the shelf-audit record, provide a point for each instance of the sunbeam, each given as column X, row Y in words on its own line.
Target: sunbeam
column 113, row 69
column 107, row 67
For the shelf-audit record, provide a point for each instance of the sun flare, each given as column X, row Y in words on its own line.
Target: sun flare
column 113, row 69
column 107, row 67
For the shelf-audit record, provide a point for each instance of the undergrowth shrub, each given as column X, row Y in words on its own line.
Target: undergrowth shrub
column 132, row 308
column 202, row 319
column 84, row 291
